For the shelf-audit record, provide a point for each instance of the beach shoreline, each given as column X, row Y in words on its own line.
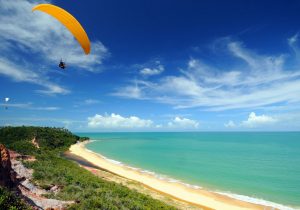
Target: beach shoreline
column 199, row 197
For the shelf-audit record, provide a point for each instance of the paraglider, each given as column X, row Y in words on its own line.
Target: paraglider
column 6, row 100
column 70, row 23
column 62, row 64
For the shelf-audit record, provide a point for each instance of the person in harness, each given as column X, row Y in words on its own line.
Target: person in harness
column 62, row 64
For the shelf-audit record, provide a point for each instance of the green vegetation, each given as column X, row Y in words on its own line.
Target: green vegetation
column 11, row 202
column 77, row 184
column 49, row 139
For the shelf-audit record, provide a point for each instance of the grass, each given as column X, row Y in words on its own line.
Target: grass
column 9, row 201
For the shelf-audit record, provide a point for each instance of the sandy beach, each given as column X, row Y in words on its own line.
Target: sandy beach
column 198, row 197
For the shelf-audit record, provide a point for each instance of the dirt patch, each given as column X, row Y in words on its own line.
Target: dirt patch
column 16, row 177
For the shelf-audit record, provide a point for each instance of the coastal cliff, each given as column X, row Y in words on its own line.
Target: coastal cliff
column 17, row 178
column 7, row 174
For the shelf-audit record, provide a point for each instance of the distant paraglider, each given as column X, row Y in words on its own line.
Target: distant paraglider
column 6, row 100
column 70, row 23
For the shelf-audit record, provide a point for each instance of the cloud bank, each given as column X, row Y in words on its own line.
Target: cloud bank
column 254, row 121
column 230, row 124
column 183, row 123
column 119, row 122
column 152, row 71
column 252, row 80
column 115, row 121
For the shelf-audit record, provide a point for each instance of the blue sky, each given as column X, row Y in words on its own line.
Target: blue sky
column 154, row 66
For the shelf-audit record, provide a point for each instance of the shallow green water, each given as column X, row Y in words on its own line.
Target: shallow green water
column 259, row 165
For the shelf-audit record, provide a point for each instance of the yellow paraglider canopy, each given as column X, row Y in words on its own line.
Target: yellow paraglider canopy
column 69, row 22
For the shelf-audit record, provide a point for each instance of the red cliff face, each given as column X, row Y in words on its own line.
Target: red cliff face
column 7, row 175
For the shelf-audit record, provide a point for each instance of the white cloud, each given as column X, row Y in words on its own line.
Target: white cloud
column 91, row 101
column 23, row 106
column 49, row 108
column 21, row 74
column 230, row 124
column 158, row 126
column 183, row 123
column 293, row 40
column 134, row 92
column 29, row 106
column 250, row 82
column 118, row 122
column 293, row 43
column 152, row 71
column 86, row 102
column 115, row 121
column 38, row 34
column 258, row 120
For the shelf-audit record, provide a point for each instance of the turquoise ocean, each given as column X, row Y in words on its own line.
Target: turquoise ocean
column 260, row 167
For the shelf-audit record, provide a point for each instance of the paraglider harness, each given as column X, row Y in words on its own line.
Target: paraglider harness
column 62, row 64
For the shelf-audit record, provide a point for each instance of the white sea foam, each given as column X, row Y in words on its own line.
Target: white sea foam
column 148, row 172
column 91, row 140
column 133, row 168
column 114, row 161
column 171, row 180
column 91, row 151
column 256, row 201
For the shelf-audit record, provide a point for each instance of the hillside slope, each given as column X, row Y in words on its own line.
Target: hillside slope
column 73, row 182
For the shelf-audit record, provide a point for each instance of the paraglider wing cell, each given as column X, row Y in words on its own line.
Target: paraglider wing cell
column 69, row 22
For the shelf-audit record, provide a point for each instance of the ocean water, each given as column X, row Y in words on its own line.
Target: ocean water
column 258, row 166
